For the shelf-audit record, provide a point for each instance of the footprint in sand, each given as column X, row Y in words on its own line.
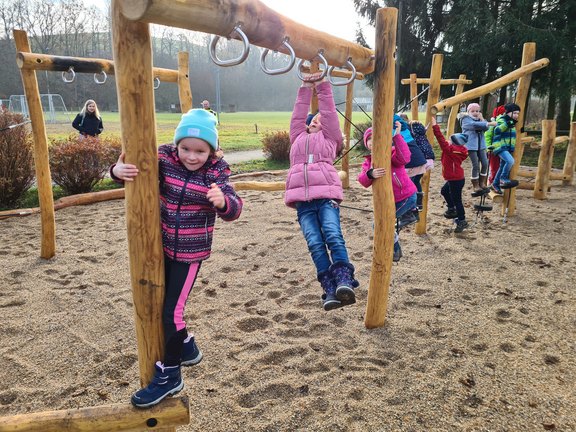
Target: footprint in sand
column 249, row 325
column 282, row 392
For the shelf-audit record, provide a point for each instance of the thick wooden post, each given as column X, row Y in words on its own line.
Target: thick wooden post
column 542, row 182
column 134, row 84
column 528, row 56
column 455, row 109
column 41, row 160
column 347, row 126
column 433, row 95
column 184, row 91
column 413, row 94
column 383, row 197
column 570, row 159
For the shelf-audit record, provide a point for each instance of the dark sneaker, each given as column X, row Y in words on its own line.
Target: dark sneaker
column 191, row 354
column 461, row 226
column 406, row 219
column 508, row 184
column 496, row 190
column 329, row 301
column 343, row 275
column 167, row 381
column 450, row 213
column 397, row 252
column 480, row 192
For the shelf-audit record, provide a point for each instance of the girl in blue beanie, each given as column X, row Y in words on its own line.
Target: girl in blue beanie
column 194, row 189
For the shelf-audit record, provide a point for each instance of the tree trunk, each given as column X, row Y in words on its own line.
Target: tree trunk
column 563, row 119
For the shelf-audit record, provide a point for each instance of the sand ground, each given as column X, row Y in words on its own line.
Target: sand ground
column 479, row 336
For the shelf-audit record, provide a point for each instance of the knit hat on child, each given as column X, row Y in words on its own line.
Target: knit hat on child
column 367, row 136
column 511, row 107
column 472, row 106
column 459, row 139
column 198, row 123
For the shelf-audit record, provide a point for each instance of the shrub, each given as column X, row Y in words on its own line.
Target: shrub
column 16, row 159
column 78, row 163
column 276, row 146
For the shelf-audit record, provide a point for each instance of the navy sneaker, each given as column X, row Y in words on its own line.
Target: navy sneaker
column 397, row 252
column 461, row 226
column 451, row 213
column 496, row 190
column 191, row 354
column 329, row 300
column 167, row 381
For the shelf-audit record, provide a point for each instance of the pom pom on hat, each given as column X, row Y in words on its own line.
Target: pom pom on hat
column 498, row 111
column 198, row 123
column 511, row 107
column 367, row 136
column 459, row 139
column 472, row 105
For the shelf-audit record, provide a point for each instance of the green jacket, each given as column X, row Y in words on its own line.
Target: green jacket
column 502, row 136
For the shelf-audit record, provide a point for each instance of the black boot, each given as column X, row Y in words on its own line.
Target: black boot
column 343, row 274
column 419, row 200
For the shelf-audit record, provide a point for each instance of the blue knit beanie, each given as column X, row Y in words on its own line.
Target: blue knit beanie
column 459, row 139
column 198, row 123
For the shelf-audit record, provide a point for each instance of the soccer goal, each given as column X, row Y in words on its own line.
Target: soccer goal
column 52, row 105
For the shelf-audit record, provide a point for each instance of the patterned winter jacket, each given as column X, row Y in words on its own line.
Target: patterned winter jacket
column 474, row 130
column 452, row 157
column 504, row 135
column 187, row 217
column 402, row 186
column 312, row 175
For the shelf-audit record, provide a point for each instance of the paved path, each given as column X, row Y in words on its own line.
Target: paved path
column 243, row 156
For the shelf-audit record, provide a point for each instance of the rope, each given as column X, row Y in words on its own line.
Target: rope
column 356, row 208
column 410, row 101
column 15, row 125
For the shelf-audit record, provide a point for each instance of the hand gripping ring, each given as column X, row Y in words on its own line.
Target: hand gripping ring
column 69, row 71
column 281, row 70
column 349, row 80
column 322, row 58
column 104, row 77
column 156, row 83
column 232, row 62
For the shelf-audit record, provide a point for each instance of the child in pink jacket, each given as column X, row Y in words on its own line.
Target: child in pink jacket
column 403, row 188
column 314, row 188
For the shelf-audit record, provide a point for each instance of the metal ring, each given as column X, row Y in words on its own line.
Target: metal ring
column 105, row 77
column 322, row 58
column 69, row 71
column 156, row 83
column 232, row 62
column 349, row 80
column 281, row 70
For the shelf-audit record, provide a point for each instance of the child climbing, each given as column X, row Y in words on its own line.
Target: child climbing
column 474, row 126
column 453, row 154
column 503, row 145
column 493, row 161
column 314, row 189
column 403, row 188
column 419, row 133
column 194, row 189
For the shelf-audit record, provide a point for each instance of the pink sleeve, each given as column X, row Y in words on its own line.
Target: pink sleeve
column 363, row 178
column 301, row 107
column 401, row 156
column 330, row 121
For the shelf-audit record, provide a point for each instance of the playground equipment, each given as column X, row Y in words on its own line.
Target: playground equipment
column 135, row 80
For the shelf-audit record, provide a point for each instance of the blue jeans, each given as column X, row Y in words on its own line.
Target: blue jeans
column 320, row 223
column 506, row 164
column 406, row 205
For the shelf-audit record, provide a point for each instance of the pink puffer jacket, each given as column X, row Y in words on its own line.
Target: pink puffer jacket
column 402, row 186
column 312, row 175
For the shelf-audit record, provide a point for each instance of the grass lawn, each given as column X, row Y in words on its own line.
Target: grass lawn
column 238, row 131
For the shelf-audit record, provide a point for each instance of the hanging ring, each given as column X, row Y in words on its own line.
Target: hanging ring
column 349, row 80
column 324, row 71
column 156, row 83
column 232, row 62
column 104, row 77
column 281, row 70
column 71, row 72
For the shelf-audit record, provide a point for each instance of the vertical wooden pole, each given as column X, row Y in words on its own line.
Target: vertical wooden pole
column 41, row 159
column 413, row 93
column 542, row 181
column 433, row 95
column 528, row 56
column 184, row 91
column 347, row 126
column 383, row 197
column 455, row 109
column 134, row 84
column 570, row 159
